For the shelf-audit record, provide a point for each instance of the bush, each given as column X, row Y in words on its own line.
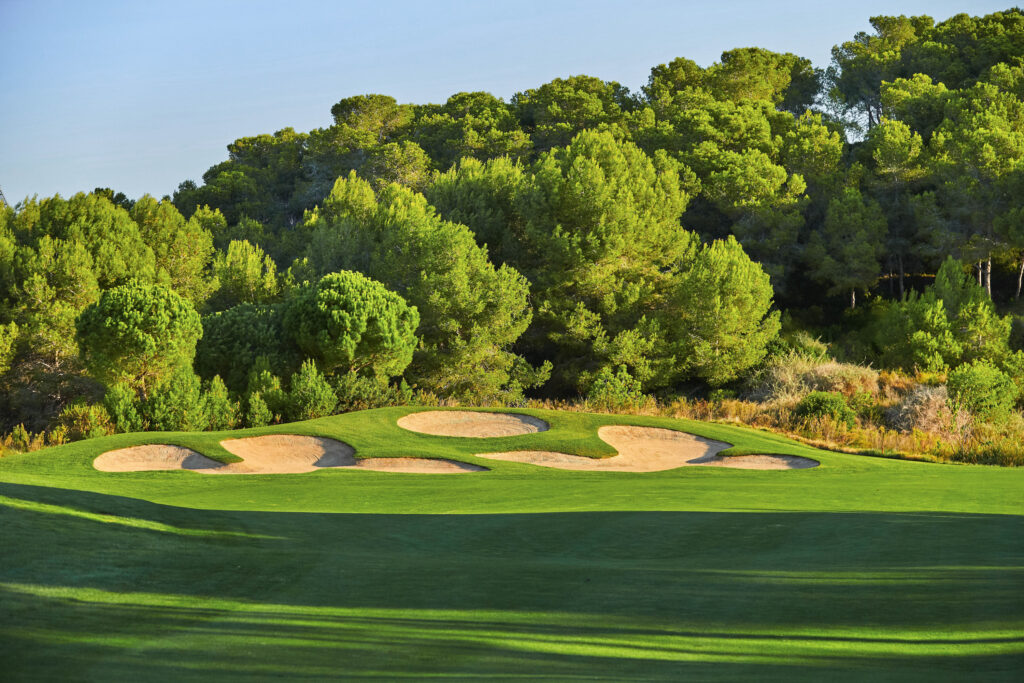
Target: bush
column 925, row 409
column 795, row 375
column 221, row 411
column 820, row 404
column 610, row 391
column 983, row 390
column 356, row 392
column 311, row 395
column 85, row 421
column 176, row 403
column 258, row 413
column 122, row 404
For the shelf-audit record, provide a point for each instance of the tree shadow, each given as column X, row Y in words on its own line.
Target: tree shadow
column 595, row 595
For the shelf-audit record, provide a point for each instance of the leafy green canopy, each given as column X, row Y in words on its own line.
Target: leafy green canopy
column 470, row 312
column 347, row 322
column 138, row 334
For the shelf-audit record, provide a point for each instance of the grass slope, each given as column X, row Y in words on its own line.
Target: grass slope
column 862, row 568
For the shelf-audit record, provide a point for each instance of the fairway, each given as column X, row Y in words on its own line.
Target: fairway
column 858, row 569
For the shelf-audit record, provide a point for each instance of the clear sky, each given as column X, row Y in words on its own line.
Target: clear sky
column 141, row 95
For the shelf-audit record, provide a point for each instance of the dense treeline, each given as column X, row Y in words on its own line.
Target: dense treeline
column 577, row 240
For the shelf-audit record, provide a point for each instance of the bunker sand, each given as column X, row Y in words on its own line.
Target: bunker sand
column 650, row 449
column 274, row 454
column 471, row 424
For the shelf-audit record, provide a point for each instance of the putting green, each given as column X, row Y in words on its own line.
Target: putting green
column 861, row 568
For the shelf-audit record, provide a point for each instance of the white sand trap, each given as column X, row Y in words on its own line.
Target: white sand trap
column 153, row 457
column 472, row 424
column 285, row 454
column 275, row 454
column 417, row 465
column 649, row 449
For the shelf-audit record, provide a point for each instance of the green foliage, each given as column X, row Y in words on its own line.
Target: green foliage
column 310, row 394
column 122, row 404
column 234, row 340
column 349, row 323
column 85, row 421
column 824, row 404
column 724, row 322
column 602, row 224
column 138, row 334
column 258, row 414
column 183, row 250
column 221, row 412
column 611, row 390
column 245, row 275
column 8, row 338
column 175, row 403
column 470, row 311
column 982, row 389
column 952, row 322
column 845, row 254
column 359, row 392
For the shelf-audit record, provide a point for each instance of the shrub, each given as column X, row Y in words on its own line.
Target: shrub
column 85, row 421
column 221, row 411
column 357, row 392
column 122, row 404
column 824, row 404
column 258, row 414
column 925, row 408
column 311, row 395
column 982, row 389
column 614, row 390
column 176, row 403
column 795, row 375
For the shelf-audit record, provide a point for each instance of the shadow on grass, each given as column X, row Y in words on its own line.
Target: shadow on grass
column 611, row 596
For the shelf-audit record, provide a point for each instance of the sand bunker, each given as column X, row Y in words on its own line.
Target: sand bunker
column 274, row 454
column 153, row 457
column 472, row 424
column 649, row 449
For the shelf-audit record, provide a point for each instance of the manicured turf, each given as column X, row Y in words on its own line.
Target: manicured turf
column 861, row 569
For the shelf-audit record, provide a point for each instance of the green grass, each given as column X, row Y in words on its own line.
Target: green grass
column 860, row 569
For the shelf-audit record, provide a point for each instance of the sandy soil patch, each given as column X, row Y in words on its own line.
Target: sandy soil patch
column 153, row 457
column 649, row 449
column 274, row 454
column 417, row 465
column 472, row 424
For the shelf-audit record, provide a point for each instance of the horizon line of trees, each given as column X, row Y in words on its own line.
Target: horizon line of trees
column 576, row 237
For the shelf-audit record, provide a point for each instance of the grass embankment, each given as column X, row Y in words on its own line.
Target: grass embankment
column 862, row 568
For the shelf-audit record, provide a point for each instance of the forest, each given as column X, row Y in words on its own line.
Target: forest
column 836, row 254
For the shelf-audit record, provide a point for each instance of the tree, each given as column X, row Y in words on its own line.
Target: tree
column 555, row 112
column 470, row 311
column 602, row 226
column 845, row 253
column 721, row 317
column 245, row 275
column 236, row 340
column 349, row 323
column 138, row 334
column 183, row 250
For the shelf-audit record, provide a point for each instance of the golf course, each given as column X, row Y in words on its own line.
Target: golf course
column 851, row 567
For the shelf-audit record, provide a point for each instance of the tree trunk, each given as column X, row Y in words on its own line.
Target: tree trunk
column 978, row 268
column 988, row 276
column 900, row 259
column 853, row 298
column 1020, row 276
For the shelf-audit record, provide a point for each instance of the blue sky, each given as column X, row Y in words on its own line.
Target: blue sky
column 139, row 96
